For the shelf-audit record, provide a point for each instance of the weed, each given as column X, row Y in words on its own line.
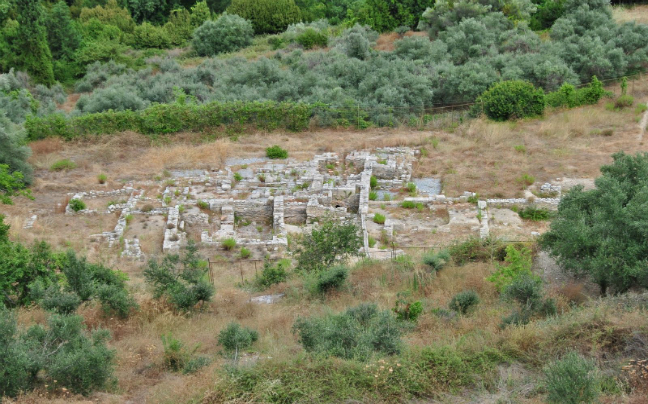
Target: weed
column 373, row 195
column 462, row 302
column 379, row 219
column 276, row 152
column 77, row 205
column 238, row 177
column 245, row 253
column 228, row 244
column 102, row 178
column 64, row 164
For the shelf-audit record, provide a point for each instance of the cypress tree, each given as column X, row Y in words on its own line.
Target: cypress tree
column 63, row 36
column 31, row 47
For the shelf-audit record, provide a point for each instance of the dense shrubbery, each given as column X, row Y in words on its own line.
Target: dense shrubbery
column 357, row 333
column 512, row 100
column 331, row 279
column 63, row 353
column 271, row 274
column 592, row 226
column 572, row 380
column 235, row 338
column 267, row 16
column 436, row 260
column 518, row 262
column 227, row 34
column 182, row 281
column 328, row 244
column 464, row 301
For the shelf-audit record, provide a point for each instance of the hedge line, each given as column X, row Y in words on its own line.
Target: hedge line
column 170, row 118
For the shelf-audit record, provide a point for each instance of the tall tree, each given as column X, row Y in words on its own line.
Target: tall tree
column 62, row 34
column 33, row 53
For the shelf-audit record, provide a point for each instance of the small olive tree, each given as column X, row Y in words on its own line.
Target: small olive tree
column 512, row 100
column 327, row 245
column 227, row 34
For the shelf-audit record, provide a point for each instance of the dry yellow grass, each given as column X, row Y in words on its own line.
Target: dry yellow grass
column 638, row 13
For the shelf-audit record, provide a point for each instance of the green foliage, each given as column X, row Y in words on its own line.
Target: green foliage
column 328, row 244
column 512, row 100
column 115, row 300
column 408, row 204
column 203, row 205
column 548, row 12
column 534, row 213
column 227, row 34
column 436, row 260
column 154, row 11
column 572, row 380
column 276, row 152
column 596, row 232
column 229, row 244
column 387, row 15
column 379, row 219
column 267, row 16
column 63, row 34
column 178, row 358
column 179, row 28
column 102, row 178
column 171, row 118
column 271, row 274
column 624, row 101
column 526, row 292
column 235, row 338
column 407, row 310
column 464, row 301
column 64, row 164
column 181, row 281
column 109, row 14
column 311, row 38
column 472, row 250
column 356, row 42
column 518, row 262
column 201, row 11
column 77, row 205
column 373, row 196
column 63, row 353
column 56, row 300
column 568, row 96
column 149, row 36
column 11, row 184
column 32, row 52
column 331, row 279
column 373, row 182
column 357, row 333
column 245, row 253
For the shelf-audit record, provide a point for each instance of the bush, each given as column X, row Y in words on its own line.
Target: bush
column 235, row 338
column 624, row 101
column 473, row 250
column 77, row 205
column 512, row 100
column 13, row 155
column 331, row 279
column 276, row 152
column 535, row 213
column 518, row 260
column 373, row 196
column 176, row 355
column 272, row 275
column 373, row 182
column 357, row 333
column 228, row 244
column 102, row 178
column 408, row 205
column 267, row 16
column 356, row 42
column 181, row 280
column 464, row 301
column 526, row 291
column 379, row 219
column 328, row 245
column 115, row 300
column 60, row 302
column 149, row 36
column 406, row 310
column 571, row 380
column 64, row 164
column 436, row 261
column 311, row 38
column 11, row 184
column 227, row 34
column 245, row 253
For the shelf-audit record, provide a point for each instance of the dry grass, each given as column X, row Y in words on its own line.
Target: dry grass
column 638, row 13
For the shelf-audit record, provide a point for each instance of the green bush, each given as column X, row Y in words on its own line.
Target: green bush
column 203, row 205
column 357, row 333
column 235, row 338
column 181, row 280
column 77, row 205
column 624, row 101
column 512, row 100
column 175, row 353
column 228, row 244
column 535, row 213
column 64, row 164
column 407, row 310
column 267, row 16
column 245, row 253
column 60, row 302
column 526, row 291
column 436, row 261
column 379, row 219
column 464, row 301
column 571, row 380
column 329, row 244
column 331, row 279
column 408, row 205
column 13, row 156
column 149, row 36
column 115, row 300
column 373, row 195
column 11, row 184
column 227, row 34
column 102, row 178
column 311, row 38
column 518, row 262
column 272, row 274
column 473, row 250
column 276, row 152
column 373, row 182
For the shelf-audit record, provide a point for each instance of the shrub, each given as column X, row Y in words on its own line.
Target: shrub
column 11, row 184
column 472, row 250
column 407, row 310
column 331, row 279
column 228, row 244
column 60, row 302
column 235, row 338
column 379, row 219
column 356, row 42
column 276, row 152
column 436, row 261
column 267, row 16
column 175, row 353
column 411, row 188
column 77, row 205
column 624, row 101
column 571, row 380
column 181, row 280
column 373, row 182
column 13, row 151
column 464, row 301
column 526, row 179
column 518, row 262
column 115, row 300
column 373, row 196
column 245, row 253
column 526, row 291
column 149, row 36
column 512, row 100
column 357, row 333
column 102, row 178
column 272, row 274
column 408, row 205
column 227, row 34
column 328, row 245
column 64, row 164
column 311, row 38
column 534, row 213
